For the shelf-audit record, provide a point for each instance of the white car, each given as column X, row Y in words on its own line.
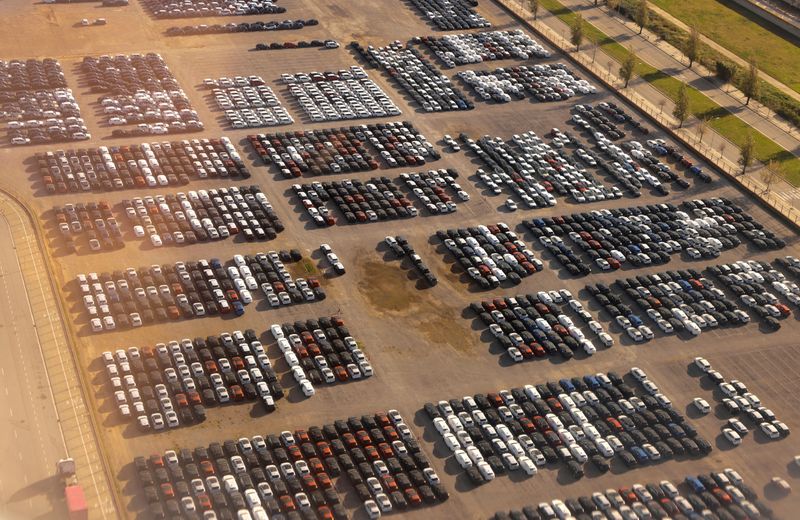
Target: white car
column 465, row 462
column 732, row 437
column 701, row 405
column 372, row 509
column 702, row 364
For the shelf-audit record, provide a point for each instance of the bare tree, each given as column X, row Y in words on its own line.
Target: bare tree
column 692, row 47
column 533, row 5
column 576, row 32
column 747, row 152
column 641, row 15
column 770, row 174
column 661, row 103
column 702, row 126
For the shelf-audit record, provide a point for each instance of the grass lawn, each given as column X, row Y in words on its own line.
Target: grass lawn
column 725, row 123
column 743, row 34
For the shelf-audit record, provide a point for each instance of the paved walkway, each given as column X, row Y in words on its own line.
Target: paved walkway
column 782, row 195
column 725, row 52
column 666, row 58
column 50, row 352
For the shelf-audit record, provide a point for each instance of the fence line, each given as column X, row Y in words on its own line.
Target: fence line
column 690, row 139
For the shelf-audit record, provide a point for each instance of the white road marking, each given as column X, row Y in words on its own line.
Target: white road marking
column 28, row 240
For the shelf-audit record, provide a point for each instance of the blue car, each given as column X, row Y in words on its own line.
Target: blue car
column 591, row 382
column 696, row 169
column 238, row 308
column 635, row 320
column 567, row 385
column 640, row 454
column 695, row 484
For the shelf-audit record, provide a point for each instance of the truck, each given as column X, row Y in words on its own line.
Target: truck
column 74, row 497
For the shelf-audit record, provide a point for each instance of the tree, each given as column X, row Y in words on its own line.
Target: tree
column 746, row 152
column 702, row 126
column 750, row 81
column 627, row 66
column 726, row 71
column 576, row 32
column 661, row 103
column 613, row 4
column 770, row 174
column 692, row 48
column 533, row 5
column 681, row 110
column 641, row 14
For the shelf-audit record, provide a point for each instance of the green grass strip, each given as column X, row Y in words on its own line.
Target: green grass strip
column 720, row 119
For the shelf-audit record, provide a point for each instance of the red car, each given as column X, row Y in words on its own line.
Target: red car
column 286, row 503
column 363, row 437
column 324, row 449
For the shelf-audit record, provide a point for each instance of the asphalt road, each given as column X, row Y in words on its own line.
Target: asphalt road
column 30, row 438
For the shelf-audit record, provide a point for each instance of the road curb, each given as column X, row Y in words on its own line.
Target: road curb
column 72, row 343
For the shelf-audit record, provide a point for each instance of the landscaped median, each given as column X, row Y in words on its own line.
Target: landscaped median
column 719, row 118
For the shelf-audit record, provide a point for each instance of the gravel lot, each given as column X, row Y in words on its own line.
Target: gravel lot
column 422, row 342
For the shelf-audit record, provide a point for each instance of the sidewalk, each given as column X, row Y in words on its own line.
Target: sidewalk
column 73, row 415
column 666, row 58
column 725, row 52
column 641, row 93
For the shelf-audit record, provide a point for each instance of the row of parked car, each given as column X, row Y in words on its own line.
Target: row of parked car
column 198, row 216
column 37, row 105
column 321, row 351
column 294, row 475
column 43, row 116
column 469, row 48
column 92, row 220
column 432, row 187
column 345, row 94
column 415, row 75
column 146, row 165
column 591, row 418
column 400, row 247
column 639, row 235
column 140, row 89
column 501, row 161
column 753, row 283
column 674, row 300
column 451, row 15
column 721, row 494
column 343, row 150
column 198, row 8
column 135, row 297
column 249, row 103
column 631, row 174
column 740, row 402
column 302, row 44
column 543, row 82
column 272, row 25
column 533, row 325
column 169, row 384
column 358, row 201
column 490, row 255
column 31, row 74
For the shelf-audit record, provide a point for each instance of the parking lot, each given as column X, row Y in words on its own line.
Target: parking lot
column 422, row 340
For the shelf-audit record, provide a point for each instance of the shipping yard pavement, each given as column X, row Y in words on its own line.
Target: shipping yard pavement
column 423, row 344
column 44, row 417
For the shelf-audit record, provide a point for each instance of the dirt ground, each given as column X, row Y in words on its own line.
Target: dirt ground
column 423, row 342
